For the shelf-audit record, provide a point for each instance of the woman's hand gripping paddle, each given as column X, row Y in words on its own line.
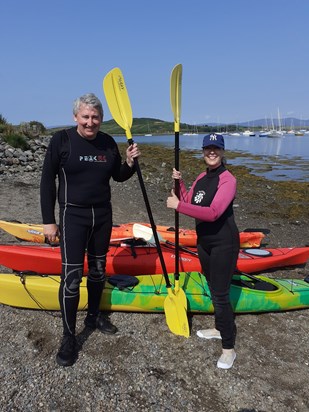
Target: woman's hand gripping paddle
column 119, row 105
column 175, row 94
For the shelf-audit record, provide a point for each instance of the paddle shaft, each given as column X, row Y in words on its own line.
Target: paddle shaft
column 177, row 192
column 185, row 249
column 150, row 215
column 175, row 94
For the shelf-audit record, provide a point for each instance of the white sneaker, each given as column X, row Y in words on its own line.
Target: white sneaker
column 226, row 360
column 208, row 334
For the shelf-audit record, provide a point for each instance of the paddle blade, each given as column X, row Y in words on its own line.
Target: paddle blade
column 118, row 99
column 175, row 91
column 145, row 232
column 179, row 292
column 176, row 315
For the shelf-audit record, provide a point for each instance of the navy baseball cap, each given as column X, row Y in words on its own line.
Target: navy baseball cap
column 213, row 140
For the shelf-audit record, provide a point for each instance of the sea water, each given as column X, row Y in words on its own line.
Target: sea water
column 288, row 155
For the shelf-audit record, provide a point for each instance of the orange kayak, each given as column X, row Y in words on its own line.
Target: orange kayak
column 187, row 237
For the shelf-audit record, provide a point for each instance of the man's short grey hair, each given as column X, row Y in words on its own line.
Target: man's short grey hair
column 88, row 99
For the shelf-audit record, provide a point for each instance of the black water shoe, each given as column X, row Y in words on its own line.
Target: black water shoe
column 101, row 322
column 67, row 354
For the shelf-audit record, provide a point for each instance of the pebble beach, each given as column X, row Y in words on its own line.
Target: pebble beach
column 144, row 367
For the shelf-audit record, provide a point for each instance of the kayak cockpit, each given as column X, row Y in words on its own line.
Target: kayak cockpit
column 253, row 283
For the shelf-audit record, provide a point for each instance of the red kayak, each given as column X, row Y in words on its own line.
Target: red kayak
column 143, row 260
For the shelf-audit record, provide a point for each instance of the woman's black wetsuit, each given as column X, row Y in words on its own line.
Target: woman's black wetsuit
column 210, row 202
column 84, row 168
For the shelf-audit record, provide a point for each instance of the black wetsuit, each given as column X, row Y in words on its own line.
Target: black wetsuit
column 84, row 169
column 210, row 202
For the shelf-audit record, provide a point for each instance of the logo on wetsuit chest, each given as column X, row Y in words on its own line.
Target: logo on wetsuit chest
column 90, row 158
column 199, row 196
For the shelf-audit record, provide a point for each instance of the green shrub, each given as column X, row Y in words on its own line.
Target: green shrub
column 2, row 119
column 2, row 127
column 16, row 141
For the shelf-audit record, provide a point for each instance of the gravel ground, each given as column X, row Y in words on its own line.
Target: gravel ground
column 144, row 367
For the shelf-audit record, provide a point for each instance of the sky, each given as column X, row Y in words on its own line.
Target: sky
column 242, row 59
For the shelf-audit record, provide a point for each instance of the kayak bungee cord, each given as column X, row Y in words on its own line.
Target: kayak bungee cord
column 22, row 277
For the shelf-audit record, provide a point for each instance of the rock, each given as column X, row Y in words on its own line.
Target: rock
column 9, row 152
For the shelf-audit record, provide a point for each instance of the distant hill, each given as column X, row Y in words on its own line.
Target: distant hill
column 148, row 125
column 287, row 122
column 144, row 125
column 140, row 126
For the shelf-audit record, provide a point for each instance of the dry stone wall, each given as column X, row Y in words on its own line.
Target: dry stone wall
column 17, row 161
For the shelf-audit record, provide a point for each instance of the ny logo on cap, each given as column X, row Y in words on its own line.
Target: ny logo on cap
column 212, row 137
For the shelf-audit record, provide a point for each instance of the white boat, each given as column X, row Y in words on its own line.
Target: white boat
column 263, row 133
column 149, row 131
column 248, row 133
column 274, row 133
column 280, row 132
column 193, row 133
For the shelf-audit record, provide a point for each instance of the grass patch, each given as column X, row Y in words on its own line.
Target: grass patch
column 16, row 141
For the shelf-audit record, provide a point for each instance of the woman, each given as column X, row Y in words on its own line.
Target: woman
column 84, row 160
column 210, row 202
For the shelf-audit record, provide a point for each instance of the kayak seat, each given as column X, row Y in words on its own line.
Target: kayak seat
column 135, row 242
column 132, row 243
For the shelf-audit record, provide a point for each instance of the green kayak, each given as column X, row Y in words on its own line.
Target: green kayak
column 248, row 293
